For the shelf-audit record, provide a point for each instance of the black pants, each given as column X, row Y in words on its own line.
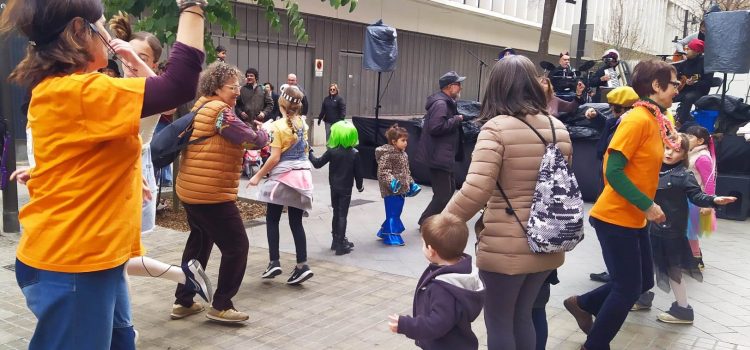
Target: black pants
column 687, row 100
column 340, row 202
column 627, row 254
column 273, row 216
column 443, row 186
column 507, row 314
column 221, row 224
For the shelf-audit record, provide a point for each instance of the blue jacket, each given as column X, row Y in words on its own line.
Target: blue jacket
column 447, row 300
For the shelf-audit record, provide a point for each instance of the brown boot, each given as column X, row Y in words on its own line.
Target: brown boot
column 584, row 319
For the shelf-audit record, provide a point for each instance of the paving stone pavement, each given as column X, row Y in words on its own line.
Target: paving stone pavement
column 345, row 306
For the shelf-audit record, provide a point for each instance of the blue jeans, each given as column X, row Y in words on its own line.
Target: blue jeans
column 627, row 254
column 78, row 310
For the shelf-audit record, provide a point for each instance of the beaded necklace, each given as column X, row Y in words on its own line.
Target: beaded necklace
column 666, row 129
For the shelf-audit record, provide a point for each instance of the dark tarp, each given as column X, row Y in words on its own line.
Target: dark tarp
column 727, row 42
column 381, row 48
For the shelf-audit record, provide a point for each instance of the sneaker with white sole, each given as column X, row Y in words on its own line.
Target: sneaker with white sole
column 197, row 280
column 226, row 316
column 179, row 311
column 300, row 275
column 677, row 315
column 273, row 270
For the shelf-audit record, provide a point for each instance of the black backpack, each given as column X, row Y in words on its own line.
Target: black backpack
column 167, row 144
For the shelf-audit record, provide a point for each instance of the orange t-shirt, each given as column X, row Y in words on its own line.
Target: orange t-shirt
column 638, row 138
column 86, row 189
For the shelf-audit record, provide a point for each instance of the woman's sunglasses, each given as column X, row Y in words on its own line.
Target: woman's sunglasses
column 111, row 49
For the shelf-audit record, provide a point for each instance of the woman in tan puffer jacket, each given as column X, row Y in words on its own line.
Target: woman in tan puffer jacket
column 509, row 153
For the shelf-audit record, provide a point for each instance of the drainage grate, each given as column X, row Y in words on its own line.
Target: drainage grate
column 11, row 267
column 358, row 201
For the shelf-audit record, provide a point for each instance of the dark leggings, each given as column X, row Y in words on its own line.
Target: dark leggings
column 507, row 314
column 273, row 216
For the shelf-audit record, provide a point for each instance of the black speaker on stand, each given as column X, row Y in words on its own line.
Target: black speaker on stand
column 380, row 55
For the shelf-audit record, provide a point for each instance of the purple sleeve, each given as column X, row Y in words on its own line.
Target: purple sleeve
column 237, row 132
column 704, row 166
column 565, row 106
column 177, row 85
column 437, row 323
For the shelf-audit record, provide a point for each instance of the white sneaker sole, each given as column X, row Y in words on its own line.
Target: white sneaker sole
column 224, row 320
column 674, row 320
column 204, row 282
column 271, row 273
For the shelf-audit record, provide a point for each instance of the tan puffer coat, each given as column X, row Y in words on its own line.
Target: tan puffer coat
column 510, row 151
column 209, row 170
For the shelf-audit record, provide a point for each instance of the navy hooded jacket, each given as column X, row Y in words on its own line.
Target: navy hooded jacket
column 447, row 300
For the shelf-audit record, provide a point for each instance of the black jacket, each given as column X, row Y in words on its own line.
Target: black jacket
column 344, row 170
column 252, row 101
column 447, row 300
column 440, row 143
column 677, row 185
column 275, row 112
column 333, row 109
column 691, row 67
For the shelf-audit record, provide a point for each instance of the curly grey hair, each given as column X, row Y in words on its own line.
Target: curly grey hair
column 215, row 76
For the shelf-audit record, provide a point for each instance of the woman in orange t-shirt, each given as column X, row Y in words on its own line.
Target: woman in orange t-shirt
column 619, row 216
column 82, row 222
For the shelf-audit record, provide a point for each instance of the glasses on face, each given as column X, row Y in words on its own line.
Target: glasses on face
column 675, row 83
column 111, row 49
column 331, row 89
column 233, row 87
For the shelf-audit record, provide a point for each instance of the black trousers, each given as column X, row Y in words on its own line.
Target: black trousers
column 340, row 202
column 687, row 99
column 443, row 186
column 221, row 224
column 273, row 216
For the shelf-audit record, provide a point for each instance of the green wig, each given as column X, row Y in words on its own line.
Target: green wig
column 343, row 134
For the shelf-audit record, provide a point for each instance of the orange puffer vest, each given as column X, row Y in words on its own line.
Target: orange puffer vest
column 209, row 170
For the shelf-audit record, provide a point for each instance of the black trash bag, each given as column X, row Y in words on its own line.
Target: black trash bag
column 583, row 132
column 468, row 109
column 736, row 112
column 471, row 131
column 381, row 47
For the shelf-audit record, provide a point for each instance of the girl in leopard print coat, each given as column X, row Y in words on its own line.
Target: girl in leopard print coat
column 395, row 182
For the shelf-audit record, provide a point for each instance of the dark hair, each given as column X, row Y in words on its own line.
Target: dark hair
column 394, row 133
column 254, row 72
column 272, row 87
column 646, row 72
column 59, row 34
column 446, row 234
column 699, row 132
column 221, row 49
column 513, row 89
column 120, row 25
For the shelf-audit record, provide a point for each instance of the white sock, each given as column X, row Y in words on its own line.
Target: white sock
column 680, row 292
column 147, row 267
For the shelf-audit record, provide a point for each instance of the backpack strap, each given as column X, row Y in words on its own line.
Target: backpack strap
column 509, row 210
column 551, row 125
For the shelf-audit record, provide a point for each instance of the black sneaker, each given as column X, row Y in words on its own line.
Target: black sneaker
column 300, row 275
column 677, row 315
column 600, row 277
column 273, row 270
column 197, row 280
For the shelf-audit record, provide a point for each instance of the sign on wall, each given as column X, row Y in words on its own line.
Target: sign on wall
column 318, row 68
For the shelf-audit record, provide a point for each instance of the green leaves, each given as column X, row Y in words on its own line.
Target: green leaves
column 160, row 17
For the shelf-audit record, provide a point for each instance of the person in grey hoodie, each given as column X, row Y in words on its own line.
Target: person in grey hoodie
column 449, row 295
column 440, row 144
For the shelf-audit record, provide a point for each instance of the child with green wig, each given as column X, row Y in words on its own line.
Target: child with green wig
column 344, row 170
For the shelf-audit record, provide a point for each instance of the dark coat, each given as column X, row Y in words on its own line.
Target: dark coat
column 440, row 144
column 693, row 66
column 344, row 170
column 252, row 101
column 676, row 187
column 333, row 109
column 563, row 80
column 447, row 300
column 275, row 112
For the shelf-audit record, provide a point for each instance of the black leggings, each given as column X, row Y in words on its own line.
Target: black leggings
column 273, row 216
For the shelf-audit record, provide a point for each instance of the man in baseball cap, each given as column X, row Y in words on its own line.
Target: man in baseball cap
column 440, row 145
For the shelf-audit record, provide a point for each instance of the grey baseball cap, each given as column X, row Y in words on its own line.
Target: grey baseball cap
column 450, row 78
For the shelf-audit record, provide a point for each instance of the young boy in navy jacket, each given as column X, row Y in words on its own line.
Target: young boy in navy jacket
column 449, row 294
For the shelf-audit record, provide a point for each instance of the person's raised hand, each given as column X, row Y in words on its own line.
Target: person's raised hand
column 590, row 113
column 125, row 51
column 724, row 200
